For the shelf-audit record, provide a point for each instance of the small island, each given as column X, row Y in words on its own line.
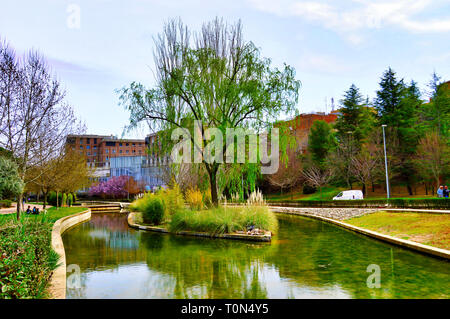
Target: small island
column 193, row 214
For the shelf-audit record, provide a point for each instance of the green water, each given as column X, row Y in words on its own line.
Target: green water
column 307, row 259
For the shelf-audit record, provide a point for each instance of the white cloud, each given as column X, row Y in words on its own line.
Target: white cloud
column 323, row 63
column 350, row 17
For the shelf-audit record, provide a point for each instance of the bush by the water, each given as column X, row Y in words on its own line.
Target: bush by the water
column 152, row 208
column 194, row 198
column 26, row 259
column 224, row 219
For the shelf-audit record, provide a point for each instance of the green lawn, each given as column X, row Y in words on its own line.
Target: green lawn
column 327, row 193
column 53, row 214
column 428, row 229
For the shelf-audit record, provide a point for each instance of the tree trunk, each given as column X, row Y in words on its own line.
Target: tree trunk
column 364, row 189
column 57, row 202
column 213, row 184
column 45, row 200
column 408, row 187
column 426, row 188
column 19, row 203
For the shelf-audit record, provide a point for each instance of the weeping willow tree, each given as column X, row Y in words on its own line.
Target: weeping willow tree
column 212, row 77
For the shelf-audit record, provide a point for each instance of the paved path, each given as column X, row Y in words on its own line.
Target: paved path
column 334, row 213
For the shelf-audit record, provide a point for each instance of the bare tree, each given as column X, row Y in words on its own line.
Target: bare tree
column 318, row 177
column 288, row 174
column 432, row 157
column 35, row 119
column 366, row 164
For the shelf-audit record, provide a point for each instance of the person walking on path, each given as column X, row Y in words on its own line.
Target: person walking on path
column 440, row 191
column 446, row 191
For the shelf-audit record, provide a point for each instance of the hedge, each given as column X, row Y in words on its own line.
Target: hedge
column 429, row 203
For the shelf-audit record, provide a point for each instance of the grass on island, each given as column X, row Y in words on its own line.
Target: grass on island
column 424, row 228
column 27, row 258
column 223, row 220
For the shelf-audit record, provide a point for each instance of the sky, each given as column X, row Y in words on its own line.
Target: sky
column 95, row 47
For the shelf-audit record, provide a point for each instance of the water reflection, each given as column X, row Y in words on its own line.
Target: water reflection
column 308, row 259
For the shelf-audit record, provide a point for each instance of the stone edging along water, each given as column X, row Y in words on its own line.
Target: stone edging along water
column 429, row 250
column 57, row 288
column 260, row 238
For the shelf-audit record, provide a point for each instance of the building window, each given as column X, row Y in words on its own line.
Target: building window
column 127, row 144
column 81, row 141
column 88, row 153
column 95, row 153
column 95, row 141
column 120, row 144
column 88, row 147
column 134, row 144
column 107, row 158
column 127, row 151
column 114, row 151
column 120, row 151
column 95, row 147
column 81, row 147
column 88, row 141
column 134, row 151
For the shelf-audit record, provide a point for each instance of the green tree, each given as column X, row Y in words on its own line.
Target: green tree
column 10, row 182
column 217, row 79
column 321, row 142
column 355, row 118
column 436, row 113
column 398, row 106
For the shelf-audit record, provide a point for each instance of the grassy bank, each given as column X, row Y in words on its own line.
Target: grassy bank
column 27, row 258
column 428, row 229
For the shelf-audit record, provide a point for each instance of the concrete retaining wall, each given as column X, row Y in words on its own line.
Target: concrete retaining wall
column 57, row 287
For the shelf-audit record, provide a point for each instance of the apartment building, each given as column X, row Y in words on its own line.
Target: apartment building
column 99, row 149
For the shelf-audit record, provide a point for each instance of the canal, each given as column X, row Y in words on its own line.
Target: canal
column 306, row 259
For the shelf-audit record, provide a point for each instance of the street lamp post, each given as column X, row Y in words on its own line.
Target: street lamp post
column 385, row 162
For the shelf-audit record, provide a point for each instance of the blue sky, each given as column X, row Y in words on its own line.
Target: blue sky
column 331, row 44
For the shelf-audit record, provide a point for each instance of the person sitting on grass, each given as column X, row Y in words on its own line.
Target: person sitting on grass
column 440, row 191
column 446, row 191
column 35, row 211
column 28, row 211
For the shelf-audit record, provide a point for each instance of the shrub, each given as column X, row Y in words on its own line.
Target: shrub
column 194, row 198
column 26, row 259
column 6, row 203
column 172, row 198
column 52, row 199
column 308, row 189
column 207, row 199
column 153, row 210
column 70, row 200
column 64, row 200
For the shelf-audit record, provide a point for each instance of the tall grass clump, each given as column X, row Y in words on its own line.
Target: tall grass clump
column 194, row 198
column 172, row 198
column 222, row 220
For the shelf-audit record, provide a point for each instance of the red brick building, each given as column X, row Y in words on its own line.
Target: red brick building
column 301, row 125
column 99, row 149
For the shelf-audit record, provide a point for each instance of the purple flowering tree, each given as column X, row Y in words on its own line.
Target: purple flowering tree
column 115, row 187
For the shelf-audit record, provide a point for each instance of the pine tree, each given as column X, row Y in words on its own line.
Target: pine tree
column 321, row 141
column 355, row 118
